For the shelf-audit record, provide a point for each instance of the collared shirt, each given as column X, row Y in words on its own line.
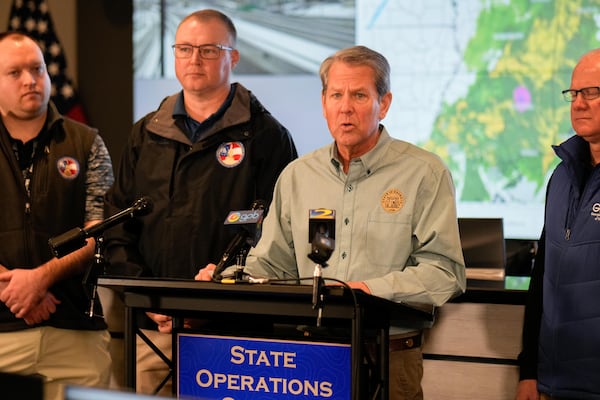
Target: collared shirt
column 395, row 229
column 196, row 129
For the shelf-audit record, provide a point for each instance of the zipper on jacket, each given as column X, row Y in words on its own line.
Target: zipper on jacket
column 28, row 181
column 575, row 204
column 575, row 200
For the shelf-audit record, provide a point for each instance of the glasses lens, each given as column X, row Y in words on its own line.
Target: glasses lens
column 182, row 50
column 209, row 51
column 569, row 95
column 590, row 93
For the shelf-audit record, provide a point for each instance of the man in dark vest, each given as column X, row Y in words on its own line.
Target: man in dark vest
column 53, row 173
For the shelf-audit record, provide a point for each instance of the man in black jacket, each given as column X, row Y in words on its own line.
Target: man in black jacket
column 207, row 150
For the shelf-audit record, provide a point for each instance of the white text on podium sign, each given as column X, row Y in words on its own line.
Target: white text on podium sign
column 221, row 367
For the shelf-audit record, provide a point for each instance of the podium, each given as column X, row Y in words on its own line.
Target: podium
column 357, row 318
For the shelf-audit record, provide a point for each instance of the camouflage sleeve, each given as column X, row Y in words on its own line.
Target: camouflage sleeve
column 98, row 179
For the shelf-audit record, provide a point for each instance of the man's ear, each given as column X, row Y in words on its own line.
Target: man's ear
column 235, row 58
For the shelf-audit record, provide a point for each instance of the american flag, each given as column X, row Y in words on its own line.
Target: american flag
column 32, row 17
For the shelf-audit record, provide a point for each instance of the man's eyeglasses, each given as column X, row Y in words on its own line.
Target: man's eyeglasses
column 588, row 93
column 206, row 51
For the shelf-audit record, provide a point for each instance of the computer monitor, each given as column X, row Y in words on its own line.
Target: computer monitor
column 87, row 393
column 14, row 386
column 482, row 241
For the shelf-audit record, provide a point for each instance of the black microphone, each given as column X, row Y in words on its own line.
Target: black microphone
column 321, row 221
column 249, row 226
column 75, row 238
column 320, row 251
column 321, row 232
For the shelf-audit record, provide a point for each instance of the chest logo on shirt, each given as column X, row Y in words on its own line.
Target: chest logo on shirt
column 231, row 154
column 392, row 200
column 68, row 167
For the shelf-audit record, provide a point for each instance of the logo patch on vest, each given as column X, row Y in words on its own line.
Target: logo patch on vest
column 231, row 154
column 596, row 211
column 392, row 200
column 68, row 167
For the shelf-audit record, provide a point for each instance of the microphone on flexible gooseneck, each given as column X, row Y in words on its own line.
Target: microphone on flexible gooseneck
column 76, row 238
column 249, row 226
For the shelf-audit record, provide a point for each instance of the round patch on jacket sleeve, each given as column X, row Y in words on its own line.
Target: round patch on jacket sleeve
column 231, row 154
column 68, row 167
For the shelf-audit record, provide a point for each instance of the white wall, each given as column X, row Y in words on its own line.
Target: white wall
column 294, row 100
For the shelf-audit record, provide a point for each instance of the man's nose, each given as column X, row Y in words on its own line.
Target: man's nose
column 579, row 101
column 346, row 104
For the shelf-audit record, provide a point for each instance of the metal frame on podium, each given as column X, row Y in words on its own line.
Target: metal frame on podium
column 367, row 317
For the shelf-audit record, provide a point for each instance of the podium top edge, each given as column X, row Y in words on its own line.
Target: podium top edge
column 162, row 285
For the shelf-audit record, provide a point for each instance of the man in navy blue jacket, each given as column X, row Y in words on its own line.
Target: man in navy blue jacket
column 561, row 333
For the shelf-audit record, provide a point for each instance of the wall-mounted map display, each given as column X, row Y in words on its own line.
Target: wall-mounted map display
column 477, row 82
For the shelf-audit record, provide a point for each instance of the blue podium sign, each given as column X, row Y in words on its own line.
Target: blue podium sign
column 231, row 368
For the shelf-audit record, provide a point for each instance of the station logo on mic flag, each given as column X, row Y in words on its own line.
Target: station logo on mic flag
column 233, row 217
column 321, row 213
column 231, row 154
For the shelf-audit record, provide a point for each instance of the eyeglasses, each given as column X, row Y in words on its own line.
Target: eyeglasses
column 206, row 51
column 588, row 93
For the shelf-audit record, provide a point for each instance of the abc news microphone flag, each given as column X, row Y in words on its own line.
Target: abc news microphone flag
column 32, row 18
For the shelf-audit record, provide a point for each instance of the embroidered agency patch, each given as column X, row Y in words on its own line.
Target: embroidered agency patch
column 392, row 200
column 231, row 154
column 68, row 167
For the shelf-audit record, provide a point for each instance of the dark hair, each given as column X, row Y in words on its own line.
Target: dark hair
column 208, row 14
column 360, row 55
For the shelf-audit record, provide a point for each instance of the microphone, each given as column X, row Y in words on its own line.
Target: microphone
column 321, row 249
column 249, row 225
column 321, row 232
column 75, row 238
column 321, row 235
column 321, row 221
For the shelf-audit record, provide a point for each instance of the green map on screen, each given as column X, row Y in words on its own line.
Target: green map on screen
column 479, row 83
